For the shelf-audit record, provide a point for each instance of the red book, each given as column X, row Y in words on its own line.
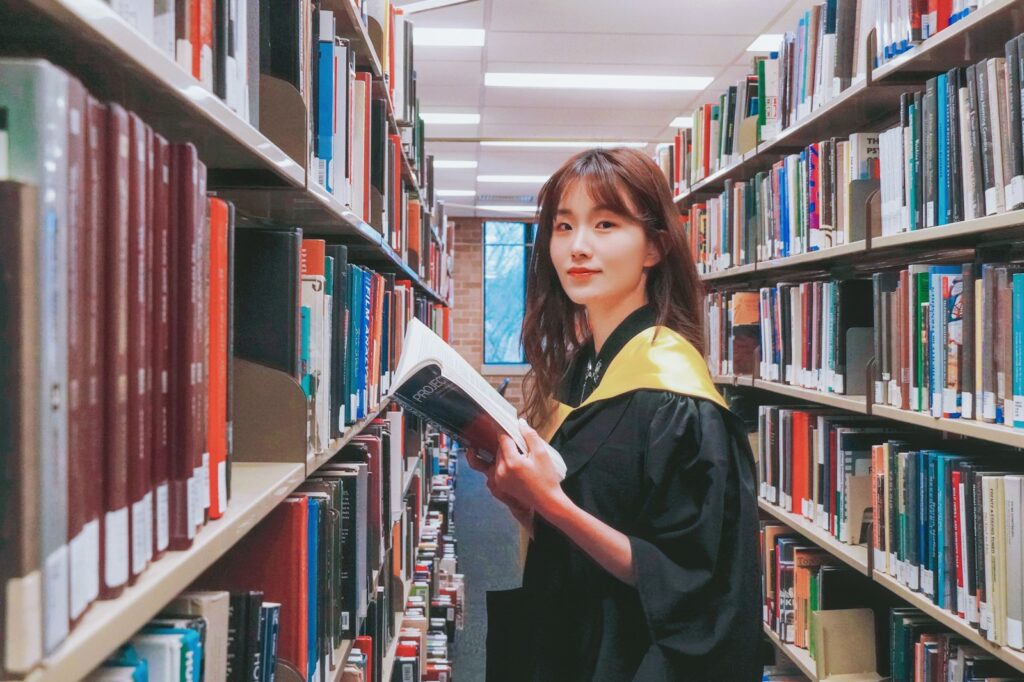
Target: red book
column 139, row 483
column 364, row 644
column 202, row 41
column 115, row 526
column 958, row 558
column 83, row 456
column 272, row 558
column 218, row 346
column 799, row 463
column 160, row 342
column 182, row 315
column 706, row 161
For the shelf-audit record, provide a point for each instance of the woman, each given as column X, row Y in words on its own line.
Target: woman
column 643, row 561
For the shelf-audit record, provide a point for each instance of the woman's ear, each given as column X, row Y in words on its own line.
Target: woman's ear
column 653, row 255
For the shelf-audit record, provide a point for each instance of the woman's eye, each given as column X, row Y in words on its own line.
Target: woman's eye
column 605, row 224
column 563, row 227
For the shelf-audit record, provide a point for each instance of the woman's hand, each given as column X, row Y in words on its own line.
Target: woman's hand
column 529, row 478
column 522, row 514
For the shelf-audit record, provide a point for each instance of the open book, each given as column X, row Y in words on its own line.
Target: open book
column 437, row 384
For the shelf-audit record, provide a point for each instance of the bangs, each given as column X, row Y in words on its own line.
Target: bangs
column 603, row 182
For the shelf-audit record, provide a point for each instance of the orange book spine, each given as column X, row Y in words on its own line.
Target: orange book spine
column 218, row 361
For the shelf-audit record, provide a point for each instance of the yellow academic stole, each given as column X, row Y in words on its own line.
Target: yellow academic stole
column 657, row 358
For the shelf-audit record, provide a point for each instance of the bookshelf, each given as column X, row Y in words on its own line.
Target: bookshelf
column 799, row 656
column 873, row 104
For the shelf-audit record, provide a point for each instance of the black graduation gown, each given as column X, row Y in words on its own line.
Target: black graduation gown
column 674, row 473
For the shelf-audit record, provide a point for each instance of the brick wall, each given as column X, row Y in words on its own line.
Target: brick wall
column 468, row 332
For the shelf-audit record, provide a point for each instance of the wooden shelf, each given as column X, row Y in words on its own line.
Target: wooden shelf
column 979, row 35
column 853, row 403
column 955, row 623
column 855, row 556
column 117, row 63
column 801, row 657
column 255, row 490
column 995, row 433
column 994, row 227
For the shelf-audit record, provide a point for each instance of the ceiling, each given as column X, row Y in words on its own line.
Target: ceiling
column 652, row 37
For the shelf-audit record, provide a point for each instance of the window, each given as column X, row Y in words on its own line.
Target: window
column 507, row 249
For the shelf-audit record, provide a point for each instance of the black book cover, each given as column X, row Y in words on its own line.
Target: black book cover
column 917, row 152
column 259, row 673
column 253, row 651
column 378, row 161
column 281, row 25
column 266, row 297
column 221, row 29
column 236, row 636
column 954, row 179
column 339, row 338
column 854, row 310
column 730, row 123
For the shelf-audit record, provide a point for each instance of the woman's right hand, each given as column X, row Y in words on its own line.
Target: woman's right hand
column 523, row 515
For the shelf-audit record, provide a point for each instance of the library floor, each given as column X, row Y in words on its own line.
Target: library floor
column 489, row 558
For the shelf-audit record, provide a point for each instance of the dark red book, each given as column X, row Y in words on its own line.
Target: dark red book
column 139, row 482
column 183, row 310
column 83, row 533
column 115, row 527
column 160, row 342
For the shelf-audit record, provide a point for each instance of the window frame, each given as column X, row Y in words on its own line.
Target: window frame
column 529, row 232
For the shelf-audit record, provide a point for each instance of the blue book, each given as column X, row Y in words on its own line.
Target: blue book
column 942, row 126
column 783, row 210
column 128, row 657
column 273, row 617
column 928, row 524
column 937, row 334
column 364, row 343
column 324, row 119
column 1018, row 350
column 307, row 377
column 355, row 295
column 313, row 528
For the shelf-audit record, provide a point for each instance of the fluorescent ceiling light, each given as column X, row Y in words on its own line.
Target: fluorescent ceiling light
column 766, row 42
column 453, row 163
column 448, row 37
column 682, row 122
column 590, row 81
column 512, row 178
column 438, row 118
column 559, row 144
column 455, row 193
column 507, row 209
column 424, row 5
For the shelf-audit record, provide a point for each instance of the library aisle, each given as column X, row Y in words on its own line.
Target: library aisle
column 260, row 257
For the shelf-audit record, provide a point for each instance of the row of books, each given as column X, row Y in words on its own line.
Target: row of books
column 815, row 335
column 956, row 154
column 806, row 202
column 846, row 623
column 948, row 341
column 250, row 618
column 201, row 635
column 942, row 522
column 720, row 134
column 335, row 327
column 116, row 351
column 901, row 26
column 947, row 525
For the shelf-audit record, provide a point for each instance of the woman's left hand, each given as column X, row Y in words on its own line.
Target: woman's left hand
column 530, row 478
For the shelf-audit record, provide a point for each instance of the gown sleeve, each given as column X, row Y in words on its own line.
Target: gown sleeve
column 691, row 550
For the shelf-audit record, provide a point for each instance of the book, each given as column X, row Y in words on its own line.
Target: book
column 435, row 383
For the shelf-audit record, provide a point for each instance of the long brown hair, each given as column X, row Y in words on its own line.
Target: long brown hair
column 555, row 328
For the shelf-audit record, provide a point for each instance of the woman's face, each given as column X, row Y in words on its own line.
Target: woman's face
column 599, row 255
